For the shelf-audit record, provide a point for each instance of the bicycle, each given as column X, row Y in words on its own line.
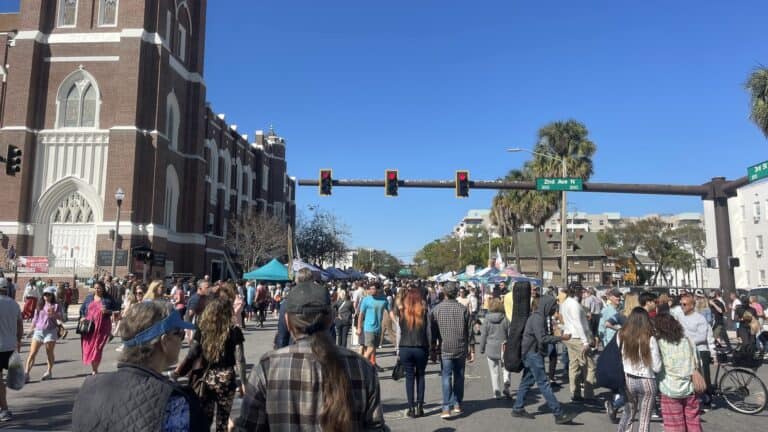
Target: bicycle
column 740, row 387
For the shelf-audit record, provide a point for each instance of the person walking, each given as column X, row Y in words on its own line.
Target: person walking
column 700, row 333
column 219, row 344
column 369, row 325
column 415, row 334
column 451, row 322
column 581, row 366
column 31, row 297
column 98, row 308
column 492, row 340
column 137, row 397
column 11, row 332
column 61, row 294
column 44, row 333
column 312, row 384
column 344, row 310
column 641, row 360
column 679, row 404
column 536, row 339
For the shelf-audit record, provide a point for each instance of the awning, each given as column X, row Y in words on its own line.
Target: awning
column 272, row 271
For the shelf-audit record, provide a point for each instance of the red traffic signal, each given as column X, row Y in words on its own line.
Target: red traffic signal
column 326, row 182
column 391, row 183
column 462, row 184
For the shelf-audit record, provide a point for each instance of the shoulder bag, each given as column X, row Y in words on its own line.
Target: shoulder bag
column 699, row 384
column 609, row 369
column 85, row 327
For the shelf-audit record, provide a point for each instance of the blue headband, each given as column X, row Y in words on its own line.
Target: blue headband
column 171, row 322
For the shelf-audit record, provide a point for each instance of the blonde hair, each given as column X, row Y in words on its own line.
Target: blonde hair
column 214, row 328
column 155, row 290
column 631, row 301
column 496, row 305
column 342, row 295
column 138, row 318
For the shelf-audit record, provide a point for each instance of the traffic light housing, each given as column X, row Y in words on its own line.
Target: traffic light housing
column 391, row 183
column 462, row 184
column 13, row 160
column 326, row 182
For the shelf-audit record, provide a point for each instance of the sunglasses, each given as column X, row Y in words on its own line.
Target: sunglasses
column 139, row 292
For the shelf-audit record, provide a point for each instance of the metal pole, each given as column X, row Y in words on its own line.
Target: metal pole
column 723, row 236
column 564, row 230
column 114, row 241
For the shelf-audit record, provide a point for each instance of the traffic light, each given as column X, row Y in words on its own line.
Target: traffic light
column 462, row 184
column 13, row 160
column 390, row 183
column 326, row 182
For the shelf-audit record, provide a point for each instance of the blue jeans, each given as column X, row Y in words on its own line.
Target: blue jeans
column 453, row 392
column 534, row 374
column 415, row 361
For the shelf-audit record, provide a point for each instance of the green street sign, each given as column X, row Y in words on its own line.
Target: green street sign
column 405, row 271
column 757, row 172
column 559, row 184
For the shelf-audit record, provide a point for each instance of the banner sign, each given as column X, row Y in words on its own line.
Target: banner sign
column 32, row 264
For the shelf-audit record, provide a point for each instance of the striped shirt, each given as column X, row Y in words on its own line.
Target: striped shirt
column 451, row 320
column 284, row 392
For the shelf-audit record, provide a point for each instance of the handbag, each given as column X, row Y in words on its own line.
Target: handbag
column 61, row 331
column 85, row 327
column 697, row 379
column 609, row 369
column 399, row 371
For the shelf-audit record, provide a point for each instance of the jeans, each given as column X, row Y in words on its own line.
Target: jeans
column 342, row 331
column 415, row 361
column 453, row 390
column 534, row 374
column 497, row 370
column 706, row 360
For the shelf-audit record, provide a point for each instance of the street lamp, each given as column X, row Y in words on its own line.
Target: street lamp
column 119, row 196
column 563, row 212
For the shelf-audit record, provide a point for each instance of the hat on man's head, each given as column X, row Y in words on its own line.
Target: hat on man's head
column 50, row 290
column 306, row 298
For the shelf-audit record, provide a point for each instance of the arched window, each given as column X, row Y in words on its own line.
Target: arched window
column 183, row 30
column 73, row 209
column 78, row 101
column 173, row 121
column 67, row 13
column 171, row 198
column 108, row 12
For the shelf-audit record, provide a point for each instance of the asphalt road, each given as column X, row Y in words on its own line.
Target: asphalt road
column 47, row 406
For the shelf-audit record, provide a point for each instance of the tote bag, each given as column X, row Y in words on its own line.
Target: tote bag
column 610, row 369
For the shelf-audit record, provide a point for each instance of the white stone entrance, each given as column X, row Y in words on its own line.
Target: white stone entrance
column 72, row 239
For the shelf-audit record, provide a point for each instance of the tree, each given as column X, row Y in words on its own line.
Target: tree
column 256, row 238
column 568, row 140
column 507, row 211
column 536, row 208
column 757, row 84
column 321, row 238
column 379, row 261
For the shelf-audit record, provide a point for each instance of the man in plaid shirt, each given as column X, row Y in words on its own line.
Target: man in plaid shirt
column 313, row 384
column 450, row 320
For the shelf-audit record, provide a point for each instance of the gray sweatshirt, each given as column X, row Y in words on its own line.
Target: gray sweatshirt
column 494, row 333
column 698, row 331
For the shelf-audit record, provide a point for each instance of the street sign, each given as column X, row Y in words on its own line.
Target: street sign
column 104, row 258
column 757, row 172
column 559, row 184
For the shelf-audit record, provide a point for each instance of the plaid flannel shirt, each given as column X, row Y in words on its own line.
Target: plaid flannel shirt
column 284, row 392
column 450, row 320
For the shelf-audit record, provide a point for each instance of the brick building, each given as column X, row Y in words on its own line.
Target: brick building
column 108, row 94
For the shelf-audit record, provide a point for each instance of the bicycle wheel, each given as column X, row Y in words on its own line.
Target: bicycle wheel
column 743, row 391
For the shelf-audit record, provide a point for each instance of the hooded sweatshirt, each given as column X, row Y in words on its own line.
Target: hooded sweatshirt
column 536, row 336
column 494, row 333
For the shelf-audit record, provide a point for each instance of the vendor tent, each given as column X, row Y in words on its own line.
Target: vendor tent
column 336, row 273
column 317, row 273
column 272, row 271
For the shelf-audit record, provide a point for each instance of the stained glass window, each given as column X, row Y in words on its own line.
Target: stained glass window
column 78, row 103
column 108, row 12
column 67, row 12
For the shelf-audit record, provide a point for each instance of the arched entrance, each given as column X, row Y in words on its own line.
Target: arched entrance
column 72, row 235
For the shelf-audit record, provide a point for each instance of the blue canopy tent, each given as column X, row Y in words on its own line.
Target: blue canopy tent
column 272, row 271
column 354, row 274
column 337, row 274
column 317, row 273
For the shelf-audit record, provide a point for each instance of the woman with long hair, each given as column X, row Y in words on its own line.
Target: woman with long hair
column 641, row 360
column 98, row 308
column 220, row 344
column 156, row 291
column 312, row 384
column 345, row 310
column 414, row 347
column 679, row 404
column 44, row 332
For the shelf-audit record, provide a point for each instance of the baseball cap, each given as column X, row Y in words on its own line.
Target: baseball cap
column 50, row 290
column 306, row 298
column 171, row 322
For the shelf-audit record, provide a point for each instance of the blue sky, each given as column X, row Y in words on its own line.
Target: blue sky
column 429, row 87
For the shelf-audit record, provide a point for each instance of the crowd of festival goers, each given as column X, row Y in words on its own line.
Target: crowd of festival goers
column 312, row 380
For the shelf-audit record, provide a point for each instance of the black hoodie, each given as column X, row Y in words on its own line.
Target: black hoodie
column 535, row 336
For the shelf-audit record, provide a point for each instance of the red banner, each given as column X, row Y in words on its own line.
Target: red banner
column 32, row 264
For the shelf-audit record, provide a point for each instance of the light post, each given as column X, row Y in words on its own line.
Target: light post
column 119, row 196
column 563, row 213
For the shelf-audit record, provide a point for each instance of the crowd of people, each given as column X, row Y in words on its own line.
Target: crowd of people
column 312, row 378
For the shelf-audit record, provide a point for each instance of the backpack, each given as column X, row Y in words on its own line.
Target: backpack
column 521, row 309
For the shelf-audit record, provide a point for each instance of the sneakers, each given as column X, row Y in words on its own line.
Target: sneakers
column 445, row 414
column 5, row 416
column 26, row 378
column 522, row 413
column 47, row 376
column 457, row 410
column 610, row 411
column 564, row 418
column 120, row 348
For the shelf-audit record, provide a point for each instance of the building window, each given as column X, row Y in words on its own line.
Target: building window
column 182, row 31
column 108, row 12
column 67, row 13
column 171, row 198
column 759, row 243
column 173, row 121
column 265, row 178
column 74, row 209
column 78, row 102
column 762, row 278
column 757, row 210
column 591, row 263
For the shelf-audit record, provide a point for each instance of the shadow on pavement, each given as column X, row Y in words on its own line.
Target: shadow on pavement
column 51, row 411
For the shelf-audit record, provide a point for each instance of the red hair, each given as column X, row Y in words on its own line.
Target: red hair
column 413, row 308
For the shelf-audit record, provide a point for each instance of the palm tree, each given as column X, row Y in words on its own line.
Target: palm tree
column 506, row 211
column 757, row 84
column 568, row 140
column 537, row 208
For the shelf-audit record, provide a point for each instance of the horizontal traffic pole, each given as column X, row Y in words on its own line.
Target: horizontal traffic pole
column 626, row 188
